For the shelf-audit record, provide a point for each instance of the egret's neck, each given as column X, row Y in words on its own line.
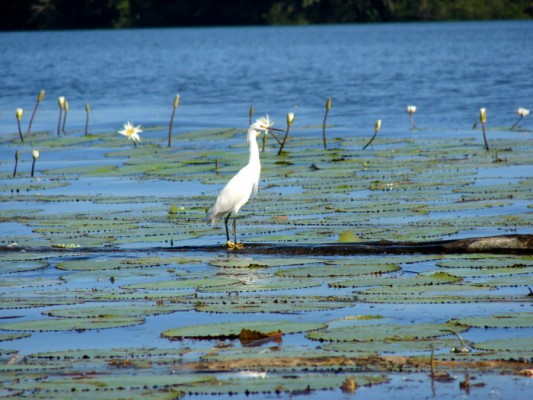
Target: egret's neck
column 254, row 149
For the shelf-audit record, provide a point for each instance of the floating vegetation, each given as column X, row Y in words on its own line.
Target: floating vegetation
column 107, row 245
column 384, row 332
column 231, row 330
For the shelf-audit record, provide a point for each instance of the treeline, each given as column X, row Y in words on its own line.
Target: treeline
column 83, row 14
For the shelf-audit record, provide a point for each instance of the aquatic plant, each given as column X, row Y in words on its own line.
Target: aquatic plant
column 251, row 114
column 131, row 132
column 16, row 163
column 40, row 98
column 67, row 108
column 174, row 106
column 290, row 120
column 411, row 111
column 61, row 103
column 522, row 112
column 87, row 112
column 377, row 127
column 483, row 119
column 19, row 113
column 265, row 135
column 35, row 154
column 328, row 107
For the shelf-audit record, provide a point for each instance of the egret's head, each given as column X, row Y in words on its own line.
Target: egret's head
column 263, row 124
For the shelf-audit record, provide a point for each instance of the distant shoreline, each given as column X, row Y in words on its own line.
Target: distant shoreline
column 85, row 14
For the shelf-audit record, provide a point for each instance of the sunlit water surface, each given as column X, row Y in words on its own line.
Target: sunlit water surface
column 448, row 70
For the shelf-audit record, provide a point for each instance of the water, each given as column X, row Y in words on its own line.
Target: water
column 448, row 70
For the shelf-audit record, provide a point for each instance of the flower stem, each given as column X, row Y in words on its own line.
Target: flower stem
column 484, row 136
column 170, row 127
column 59, row 123
column 33, row 116
column 20, row 132
column 412, row 119
column 250, row 114
column 284, row 140
column 516, row 123
column 371, row 139
column 16, row 163
column 33, row 167
column 328, row 107
column 324, row 130
column 87, row 124
column 64, row 122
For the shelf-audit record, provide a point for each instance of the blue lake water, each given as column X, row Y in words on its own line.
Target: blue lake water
column 448, row 70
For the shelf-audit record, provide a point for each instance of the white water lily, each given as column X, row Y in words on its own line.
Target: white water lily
column 411, row 109
column 19, row 112
column 35, row 154
column 522, row 112
column 131, row 132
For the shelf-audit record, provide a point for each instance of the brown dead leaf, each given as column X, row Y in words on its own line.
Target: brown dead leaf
column 349, row 385
column 250, row 337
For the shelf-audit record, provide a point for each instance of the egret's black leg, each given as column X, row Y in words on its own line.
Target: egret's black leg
column 235, row 230
column 226, row 225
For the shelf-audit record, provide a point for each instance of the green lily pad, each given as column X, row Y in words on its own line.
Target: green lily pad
column 351, row 268
column 68, row 324
column 509, row 344
column 132, row 310
column 384, row 347
column 13, row 336
column 437, row 278
column 232, row 329
column 514, row 320
column 384, row 332
column 270, row 304
column 193, row 283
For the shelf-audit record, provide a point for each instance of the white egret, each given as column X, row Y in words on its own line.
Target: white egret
column 238, row 190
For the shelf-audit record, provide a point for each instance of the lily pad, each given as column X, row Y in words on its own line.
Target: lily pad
column 514, row 320
column 230, row 330
column 270, row 304
column 68, row 324
column 437, row 278
column 384, row 332
column 193, row 283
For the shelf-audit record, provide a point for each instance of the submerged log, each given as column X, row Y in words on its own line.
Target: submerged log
column 503, row 244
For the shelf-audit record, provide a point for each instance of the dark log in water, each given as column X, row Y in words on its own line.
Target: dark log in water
column 503, row 244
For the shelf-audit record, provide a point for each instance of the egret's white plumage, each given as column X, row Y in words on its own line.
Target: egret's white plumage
column 238, row 190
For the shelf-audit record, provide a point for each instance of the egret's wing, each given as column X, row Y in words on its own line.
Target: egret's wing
column 233, row 196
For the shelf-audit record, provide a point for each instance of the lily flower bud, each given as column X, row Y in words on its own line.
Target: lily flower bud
column 290, row 118
column 483, row 115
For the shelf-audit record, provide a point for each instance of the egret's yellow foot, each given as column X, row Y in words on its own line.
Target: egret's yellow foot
column 234, row 246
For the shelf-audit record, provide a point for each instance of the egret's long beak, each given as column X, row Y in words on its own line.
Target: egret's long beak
column 275, row 129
